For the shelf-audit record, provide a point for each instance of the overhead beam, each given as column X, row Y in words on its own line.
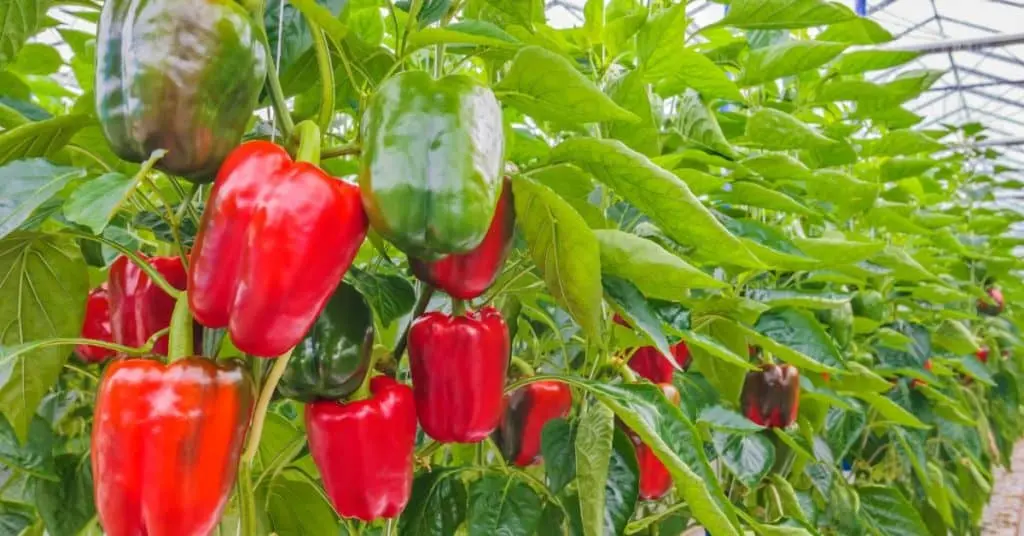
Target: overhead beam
column 957, row 45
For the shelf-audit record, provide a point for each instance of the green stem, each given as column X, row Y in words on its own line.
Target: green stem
column 428, row 449
column 366, row 350
column 260, row 414
column 256, row 9
column 458, row 307
column 426, row 291
column 414, row 13
column 179, row 343
column 309, row 143
column 153, row 274
column 389, row 527
column 341, row 150
column 17, row 350
column 323, row 62
column 246, row 500
column 438, row 60
column 525, row 368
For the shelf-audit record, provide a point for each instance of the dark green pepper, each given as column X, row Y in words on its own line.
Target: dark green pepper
column 431, row 162
column 331, row 360
column 869, row 304
column 839, row 321
column 180, row 75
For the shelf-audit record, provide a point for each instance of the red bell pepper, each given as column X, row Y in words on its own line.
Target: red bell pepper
column 458, row 373
column 998, row 302
column 468, row 275
column 96, row 326
column 364, row 450
column 649, row 363
column 655, row 480
column 526, row 411
column 273, row 244
column 166, row 442
column 982, row 354
column 771, row 396
column 138, row 307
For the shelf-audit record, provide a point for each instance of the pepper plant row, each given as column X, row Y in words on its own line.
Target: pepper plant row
column 436, row 267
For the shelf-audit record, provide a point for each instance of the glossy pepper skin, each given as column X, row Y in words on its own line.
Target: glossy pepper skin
column 771, row 396
column 992, row 309
column 329, row 363
column 275, row 239
column 431, row 162
column 458, row 373
column 648, row 362
column 364, row 450
column 138, row 307
column 982, row 354
column 527, row 410
column 655, row 480
column 868, row 304
column 180, row 75
column 96, row 326
column 166, row 442
column 466, row 276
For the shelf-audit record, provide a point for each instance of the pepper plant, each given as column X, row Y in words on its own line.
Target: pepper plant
column 435, row 267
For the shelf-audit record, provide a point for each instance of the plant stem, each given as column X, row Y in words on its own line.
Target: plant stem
column 363, row 391
column 458, row 307
column 323, row 62
column 246, row 501
column 525, row 368
column 309, row 143
column 154, row 275
column 341, row 150
column 426, row 291
column 179, row 343
column 389, row 527
column 260, row 414
column 15, row 351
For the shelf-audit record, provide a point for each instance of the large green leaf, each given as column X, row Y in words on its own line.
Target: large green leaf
column 557, row 445
column 437, row 506
column 654, row 270
column 786, row 59
column 42, row 138
column 25, row 185
column 565, row 250
column 67, row 505
column 888, row 512
column 630, row 92
column 631, row 304
column 593, row 456
column 794, row 336
column 748, row 456
column 622, row 489
column 656, row 192
column 94, row 203
column 548, row 87
column 905, row 142
column 838, row 251
column 891, row 410
column 42, row 296
column 676, row 442
column 857, row 31
column 783, row 14
column 390, row 295
column 771, row 129
column 21, row 20
column 862, row 61
column 696, row 122
column 777, row 167
column 296, row 506
column 501, row 504
column 752, row 194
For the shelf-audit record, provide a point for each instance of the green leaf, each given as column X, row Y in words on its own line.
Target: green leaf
column 748, row 456
column 593, row 455
column 790, row 502
column 722, row 418
column 858, row 31
column 938, row 494
column 862, row 61
column 94, row 203
column 888, row 512
column 700, row 183
column 794, row 336
column 437, row 505
column 902, row 265
column 630, row 303
column 844, row 191
column 464, row 32
column 771, row 129
column 630, row 92
column 66, row 505
column 655, row 271
column 777, row 167
column 715, row 349
column 798, row 298
column 557, row 446
column 905, row 142
column 574, row 186
column 27, row 184
column 42, row 296
column 622, row 489
column 697, row 123
column 786, row 59
column 41, row 138
column 546, row 86
column 37, row 59
column 521, row 12
column 21, row 20
column 331, row 25
column 891, row 410
column 565, row 250
column 859, row 379
column 754, row 195
column 33, row 456
column 499, row 504
column 838, row 251
column 676, row 442
column 391, row 296
column 296, row 506
column 955, row 337
column 657, row 193
column 783, row 14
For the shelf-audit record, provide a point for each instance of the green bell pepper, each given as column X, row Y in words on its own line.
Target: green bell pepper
column 869, row 304
column 431, row 163
column 331, row 360
column 839, row 321
column 180, row 75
